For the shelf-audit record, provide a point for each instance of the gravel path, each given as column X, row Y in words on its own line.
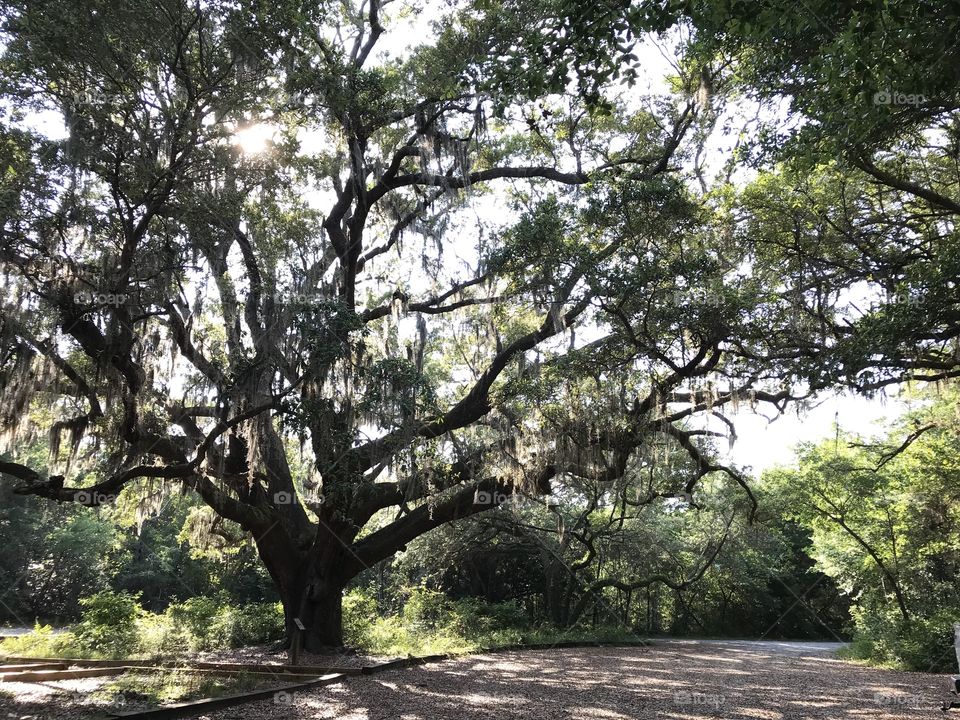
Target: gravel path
column 673, row 680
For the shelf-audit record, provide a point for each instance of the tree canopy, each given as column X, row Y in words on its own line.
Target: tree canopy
column 346, row 287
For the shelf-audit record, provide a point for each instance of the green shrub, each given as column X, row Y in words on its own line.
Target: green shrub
column 359, row 618
column 388, row 636
column 426, row 610
column 114, row 625
column 42, row 642
column 159, row 637
column 206, row 623
column 432, row 623
column 257, row 623
column 882, row 637
column 194, row 621
column 108, row 624
column 926, row 644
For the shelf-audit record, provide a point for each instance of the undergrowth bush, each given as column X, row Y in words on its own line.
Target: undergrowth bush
column 430, row 623
column 113, row 625
column 42, row 641
column 882, row 637
column 206, row 623
column 108, row 624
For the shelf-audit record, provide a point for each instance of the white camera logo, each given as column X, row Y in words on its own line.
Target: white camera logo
column 482, row 497
column 100, row 298
column 890, row 97
column 283, row 697
column 85, row 497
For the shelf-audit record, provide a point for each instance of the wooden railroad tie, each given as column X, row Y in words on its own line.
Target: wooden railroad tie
column 227, row 668
column 44, row 675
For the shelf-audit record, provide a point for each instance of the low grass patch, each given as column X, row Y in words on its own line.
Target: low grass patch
column 42, row 641
column 432, row 624
column 163, row 688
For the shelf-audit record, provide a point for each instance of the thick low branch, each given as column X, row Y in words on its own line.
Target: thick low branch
column 458, row 183
column 430, row 306
column 907, row 186
column 107, row 490
column 474, row 498
column 476, row 403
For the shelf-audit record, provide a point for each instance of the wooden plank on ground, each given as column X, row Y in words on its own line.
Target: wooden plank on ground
column 85, row 662
column 265, row 675
column 45, row 675
column 198, row 707
column 263, row 667
column 253, row 667
column 32, row 666
column 388, row 665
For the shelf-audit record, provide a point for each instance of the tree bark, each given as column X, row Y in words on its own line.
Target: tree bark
column 322, row 616
column 315, row 599
column 310, row 582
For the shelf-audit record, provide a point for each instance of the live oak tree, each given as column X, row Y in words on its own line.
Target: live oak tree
column 425, row 292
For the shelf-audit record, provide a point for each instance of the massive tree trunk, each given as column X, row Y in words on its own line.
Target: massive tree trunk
column 320, row 609
column 311, row 591
column 310, row 579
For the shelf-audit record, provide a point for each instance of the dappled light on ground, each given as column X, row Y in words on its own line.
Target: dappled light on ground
column 669, row 681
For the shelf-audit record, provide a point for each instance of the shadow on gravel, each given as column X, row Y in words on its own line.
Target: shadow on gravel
column 708, row 680
column 663, row 682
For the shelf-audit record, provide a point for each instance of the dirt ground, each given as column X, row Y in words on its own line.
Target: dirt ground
column 671, row 680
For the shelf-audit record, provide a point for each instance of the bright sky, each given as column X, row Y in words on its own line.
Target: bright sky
column 762, row 445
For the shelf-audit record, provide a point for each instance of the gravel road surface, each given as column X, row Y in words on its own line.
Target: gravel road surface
column 671, row 680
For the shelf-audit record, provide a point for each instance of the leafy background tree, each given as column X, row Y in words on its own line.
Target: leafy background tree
column 884, row 524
